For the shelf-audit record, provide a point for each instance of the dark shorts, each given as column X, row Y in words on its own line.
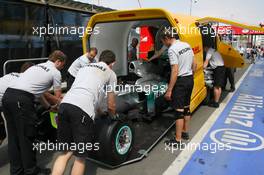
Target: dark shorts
column 181, row 95
column 182, row 92
column 75, row 127
column 219, row 76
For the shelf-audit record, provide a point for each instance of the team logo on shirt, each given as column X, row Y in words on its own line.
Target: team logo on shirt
column 96, row 66
column 14, row 74
column 184, row 50
column 43, row 67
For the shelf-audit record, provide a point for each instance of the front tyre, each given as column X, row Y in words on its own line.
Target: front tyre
column 116, row 140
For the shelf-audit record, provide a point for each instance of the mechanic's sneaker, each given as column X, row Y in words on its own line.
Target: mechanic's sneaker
column 214, row 105
column 173, row 142
column 185, row 136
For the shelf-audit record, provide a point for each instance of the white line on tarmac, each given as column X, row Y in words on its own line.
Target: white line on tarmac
column 182, row 159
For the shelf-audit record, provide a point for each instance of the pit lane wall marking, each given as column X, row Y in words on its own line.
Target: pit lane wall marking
column 239, row 125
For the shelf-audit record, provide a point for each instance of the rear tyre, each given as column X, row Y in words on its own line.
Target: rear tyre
column 115, row 141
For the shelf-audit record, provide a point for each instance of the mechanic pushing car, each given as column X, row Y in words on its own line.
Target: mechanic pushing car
column 80, row 62
column 77, row 110
column 19, row 109
column 5, row 82
column 215, row 60
column 180, row 86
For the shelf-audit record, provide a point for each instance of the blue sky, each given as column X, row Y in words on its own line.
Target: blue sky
column 246, row 11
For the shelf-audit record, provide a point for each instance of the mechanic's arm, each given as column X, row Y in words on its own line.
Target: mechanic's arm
column 53, row 99
column 158, row 53
column 206, row 62
column 173, row 76
column 111, row 103
column 44, row 102
column 173, row 79
column 57, row 88
column 58, row 93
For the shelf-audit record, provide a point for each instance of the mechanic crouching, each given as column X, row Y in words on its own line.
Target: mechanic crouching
column 78, row 108
column 180, row 87
column 19, row 110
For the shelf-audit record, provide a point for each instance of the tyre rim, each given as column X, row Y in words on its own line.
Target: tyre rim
column 123, row 140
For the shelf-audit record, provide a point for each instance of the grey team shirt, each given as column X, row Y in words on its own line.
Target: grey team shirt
column 181, row 53
column 215, row 58
column 39, row 79
column 5, row 82
column 88, row 84
column 79, row 63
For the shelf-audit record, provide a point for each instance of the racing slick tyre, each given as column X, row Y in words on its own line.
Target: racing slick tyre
column 115, row 140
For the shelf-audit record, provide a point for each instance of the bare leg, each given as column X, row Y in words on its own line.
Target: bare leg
column 60, row 163
column 78, row 166
column 186, row 123
column 217, row 93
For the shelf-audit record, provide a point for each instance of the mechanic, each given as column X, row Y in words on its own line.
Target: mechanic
column 83, row 60
column 19, row 110
column 5, row 82
column 215, row 60
column 132, row 50
column 78, row 108
column 230, row 76
column 180, row 86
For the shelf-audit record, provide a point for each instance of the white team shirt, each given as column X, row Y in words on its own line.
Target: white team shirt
column 39, row 79
column 215, row 58
column 5, row 82
column 181, row 53
column 88, row 84
column 79, row 63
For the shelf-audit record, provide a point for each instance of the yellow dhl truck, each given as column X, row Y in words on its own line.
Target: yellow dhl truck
column 130, row 138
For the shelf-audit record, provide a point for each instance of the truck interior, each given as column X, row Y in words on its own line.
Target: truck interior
column 117, row 36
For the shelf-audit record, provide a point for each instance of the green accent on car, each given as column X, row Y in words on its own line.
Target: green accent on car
column 53, row 116
column 123, row 149
column 151, row 97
